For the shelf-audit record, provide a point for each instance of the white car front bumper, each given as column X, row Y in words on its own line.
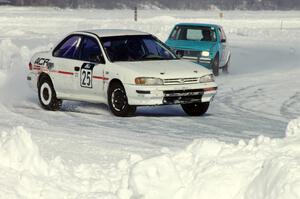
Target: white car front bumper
column 170, row 94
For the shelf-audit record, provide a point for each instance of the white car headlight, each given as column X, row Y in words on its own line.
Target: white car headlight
column 148, row 81
column 205, row 53
column 207, row 78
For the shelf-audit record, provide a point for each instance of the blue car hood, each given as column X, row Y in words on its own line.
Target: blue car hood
column 190, row 45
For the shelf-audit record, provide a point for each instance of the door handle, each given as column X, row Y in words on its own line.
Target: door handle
column 76, row 68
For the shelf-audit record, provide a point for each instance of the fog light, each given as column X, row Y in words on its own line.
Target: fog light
column 210, row 89
column 143, row 92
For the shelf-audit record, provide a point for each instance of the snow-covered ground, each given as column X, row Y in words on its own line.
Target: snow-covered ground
column 239, row 149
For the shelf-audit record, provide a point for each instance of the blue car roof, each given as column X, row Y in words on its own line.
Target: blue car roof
column 198, row 24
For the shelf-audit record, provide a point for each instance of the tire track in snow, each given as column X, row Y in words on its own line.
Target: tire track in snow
column 288, row 110
column 256, row 121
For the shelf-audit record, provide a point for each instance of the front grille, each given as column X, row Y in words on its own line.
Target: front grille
column 192, row 80
column 183, row 96
column 189, row 92
column 191, row 53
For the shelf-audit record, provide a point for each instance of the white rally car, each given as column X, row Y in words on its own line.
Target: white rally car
column 121, row 68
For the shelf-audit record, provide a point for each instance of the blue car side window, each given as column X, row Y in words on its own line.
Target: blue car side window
column 176, row 33
column 222, row 34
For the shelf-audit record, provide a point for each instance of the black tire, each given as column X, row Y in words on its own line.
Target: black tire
column 118, row 102
column 225, row 68
column 47, row 95
column 215, row 65
column 195, row 109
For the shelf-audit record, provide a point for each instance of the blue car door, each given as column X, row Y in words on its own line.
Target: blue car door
column 223, row 47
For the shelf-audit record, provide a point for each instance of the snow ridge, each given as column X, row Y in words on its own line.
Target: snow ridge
column 263, row 168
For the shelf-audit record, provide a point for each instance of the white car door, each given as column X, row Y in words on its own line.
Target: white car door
column 90, row 80
column 64, row 64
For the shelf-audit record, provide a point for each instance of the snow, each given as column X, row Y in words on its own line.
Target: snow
column 245, row 147
column 35, row 177
column 261, row 168
column 293, row 129
column 20, row 153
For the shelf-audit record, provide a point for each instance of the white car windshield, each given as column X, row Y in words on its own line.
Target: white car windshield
column 136, row 48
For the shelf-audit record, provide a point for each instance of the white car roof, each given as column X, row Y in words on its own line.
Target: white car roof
column 113, row 32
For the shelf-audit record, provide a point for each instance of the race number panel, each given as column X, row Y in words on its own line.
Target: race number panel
column 86, row 75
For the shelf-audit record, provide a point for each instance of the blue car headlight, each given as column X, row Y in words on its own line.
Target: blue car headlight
column 205, row 54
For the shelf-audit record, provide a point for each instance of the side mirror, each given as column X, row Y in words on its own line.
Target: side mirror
column 223, row 40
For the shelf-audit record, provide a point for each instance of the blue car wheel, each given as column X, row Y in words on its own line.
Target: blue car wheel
column 215, row 65
column 225, row 68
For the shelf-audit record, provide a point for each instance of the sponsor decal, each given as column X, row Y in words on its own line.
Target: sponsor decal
column 43, row 63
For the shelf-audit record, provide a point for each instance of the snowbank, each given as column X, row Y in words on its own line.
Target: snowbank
column 24, row 173
column 233, row 172
column 20, row 153
column 263, row 168
column 293, row 129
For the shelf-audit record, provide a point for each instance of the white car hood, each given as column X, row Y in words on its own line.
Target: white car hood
column 165, row 69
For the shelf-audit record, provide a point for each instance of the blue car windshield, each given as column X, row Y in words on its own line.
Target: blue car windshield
column 136, row 48
column 194, row 33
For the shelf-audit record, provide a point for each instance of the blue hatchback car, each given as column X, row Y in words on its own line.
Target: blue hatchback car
column 205, row 44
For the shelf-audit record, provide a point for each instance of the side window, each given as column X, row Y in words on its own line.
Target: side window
column 178, row 33
column 68, row 48
column 90, row 50
column 174, row 34
column 222, row 34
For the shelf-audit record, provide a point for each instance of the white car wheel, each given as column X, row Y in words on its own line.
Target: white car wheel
column 195, row 109
column 46, row 93
column 118, row 102
column 118, row 99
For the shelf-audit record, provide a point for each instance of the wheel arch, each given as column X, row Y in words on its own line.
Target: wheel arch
column 43, row 75
column 127, row 109
column 46, row 75
column 228, row 56
column 217, row 54
column 114, row 81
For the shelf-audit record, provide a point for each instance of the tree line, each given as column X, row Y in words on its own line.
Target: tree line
column 170, row 4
